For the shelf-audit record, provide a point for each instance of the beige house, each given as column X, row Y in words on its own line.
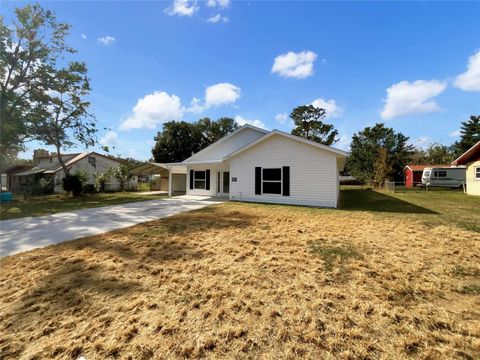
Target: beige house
column 471, row 158
column 48, row 168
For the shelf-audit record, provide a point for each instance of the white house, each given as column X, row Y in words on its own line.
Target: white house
column 253, row 164
column 48, row 167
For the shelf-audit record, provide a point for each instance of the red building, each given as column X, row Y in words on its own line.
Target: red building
column 413, row 174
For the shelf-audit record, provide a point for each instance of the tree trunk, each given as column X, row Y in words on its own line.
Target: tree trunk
column 62, row 164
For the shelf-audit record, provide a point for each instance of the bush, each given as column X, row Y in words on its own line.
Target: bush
column 72, row 183
column 89, row 189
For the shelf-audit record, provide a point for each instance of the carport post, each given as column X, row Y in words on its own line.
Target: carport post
column 169, row 181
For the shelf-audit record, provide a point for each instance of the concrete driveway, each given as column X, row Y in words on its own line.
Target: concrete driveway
column 25, row 234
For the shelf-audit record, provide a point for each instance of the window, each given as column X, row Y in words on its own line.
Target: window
column 272, row 181
column 92, row 161
column 440, row 173
column 199, row 180
column 477, row 173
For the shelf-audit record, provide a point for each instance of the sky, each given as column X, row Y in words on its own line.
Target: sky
column 412, row 65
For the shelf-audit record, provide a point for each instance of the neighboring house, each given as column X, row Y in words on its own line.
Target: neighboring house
column 49, row 169
column 253, row 164
column 413, row 174
column 11, row 171
column 471, row 158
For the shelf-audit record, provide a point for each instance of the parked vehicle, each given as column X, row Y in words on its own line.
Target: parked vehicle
column 450, row 177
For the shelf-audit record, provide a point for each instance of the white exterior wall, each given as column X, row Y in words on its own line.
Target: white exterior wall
column 237, row 141
column 102, row 165
column 214, row 169
column 313, row 172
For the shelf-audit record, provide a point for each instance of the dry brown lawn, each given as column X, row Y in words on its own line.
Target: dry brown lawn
column 246, row 281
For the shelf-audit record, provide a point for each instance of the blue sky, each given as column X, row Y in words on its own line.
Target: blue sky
column 413, row 65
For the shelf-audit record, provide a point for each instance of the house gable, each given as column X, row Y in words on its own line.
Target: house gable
column 228, row 144
column 294, row 138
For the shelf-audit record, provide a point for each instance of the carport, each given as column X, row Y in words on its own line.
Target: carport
column 175, row 173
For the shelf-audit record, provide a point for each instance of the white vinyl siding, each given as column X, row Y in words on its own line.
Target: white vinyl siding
column 313, row 172
column 214, row 168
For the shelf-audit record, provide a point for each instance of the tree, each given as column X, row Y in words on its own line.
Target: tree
column 29, row 51
column 418, row 157
column 62, row 114
column 365, row 150
column 214, row 130
column 309, row 125
column 381, row 168
column 439, row 154
column 123, row 176
column 178, row 140
column 434, row 154
column 469, row 135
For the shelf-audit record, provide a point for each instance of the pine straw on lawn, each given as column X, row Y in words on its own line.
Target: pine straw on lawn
column 246, row 281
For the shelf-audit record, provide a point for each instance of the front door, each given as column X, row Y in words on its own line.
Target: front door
column 226, row 182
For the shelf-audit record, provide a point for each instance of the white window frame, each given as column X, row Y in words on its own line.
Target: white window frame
column 274, row 181
column 204, row 180
column 476, row 173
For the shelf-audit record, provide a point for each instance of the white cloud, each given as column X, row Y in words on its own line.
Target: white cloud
column 422, row 142
column 282, row 118
column 240, row 120
column 221, row 94
column 215, row 95
column 332, row 110
column 220, row 3
column 217, row 18
column 294, row 65
column 109, row 139
column 455, row 133
column 153, row 109
column 195, row 106
column 182, row 8
column 408, row 98
column 470, row 79
column 84, row 37
column 106, row 40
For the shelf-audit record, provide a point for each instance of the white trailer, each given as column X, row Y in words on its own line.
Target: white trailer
column 449, row 177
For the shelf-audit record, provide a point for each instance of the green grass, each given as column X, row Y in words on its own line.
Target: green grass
column 50, row 204
column 333, row 255
column 433, row 208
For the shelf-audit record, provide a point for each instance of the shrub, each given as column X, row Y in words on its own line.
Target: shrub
column 73, row 184
column 101, row 180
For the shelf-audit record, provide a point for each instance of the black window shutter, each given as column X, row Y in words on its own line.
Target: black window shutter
column 191, row 179
column 207, row 179
column 258, row 181
column 286, row 181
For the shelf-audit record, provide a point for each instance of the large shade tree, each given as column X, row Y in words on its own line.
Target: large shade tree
column 309, row 125
column 62, row 117
column 178, row 140
column 377, row 153
column 29, row 50
column 213, row 130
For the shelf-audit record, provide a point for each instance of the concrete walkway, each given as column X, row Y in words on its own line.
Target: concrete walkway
column 28, row 233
